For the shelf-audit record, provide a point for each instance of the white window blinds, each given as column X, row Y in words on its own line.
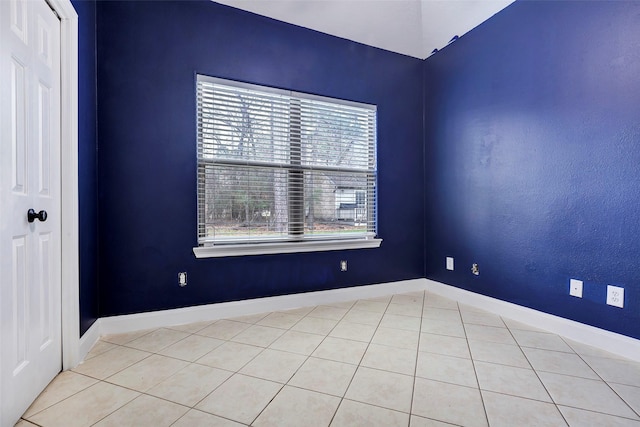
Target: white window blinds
column 277, row 166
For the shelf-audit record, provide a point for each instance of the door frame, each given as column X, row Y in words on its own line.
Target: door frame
column 70, row 253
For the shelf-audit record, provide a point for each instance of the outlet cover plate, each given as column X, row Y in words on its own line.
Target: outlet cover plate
column 450, row 263
column 575, row 288
column 182, row 279
column 615, row 296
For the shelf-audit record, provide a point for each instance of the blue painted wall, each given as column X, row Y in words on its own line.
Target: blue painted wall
column 148, row 56
column 532, row 142
column 87, row 162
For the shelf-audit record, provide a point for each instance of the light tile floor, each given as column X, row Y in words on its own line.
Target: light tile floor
column 413, row 360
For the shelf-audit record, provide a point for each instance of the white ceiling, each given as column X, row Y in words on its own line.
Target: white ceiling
column 410, row 27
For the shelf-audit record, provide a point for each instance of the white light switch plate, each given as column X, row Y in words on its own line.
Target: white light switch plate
column 575, row 288
column 450, row 263
column 615, row 296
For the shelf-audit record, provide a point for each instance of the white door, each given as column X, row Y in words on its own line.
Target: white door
column 30, row 253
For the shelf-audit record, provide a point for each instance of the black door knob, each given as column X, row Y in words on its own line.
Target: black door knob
column 32, row 215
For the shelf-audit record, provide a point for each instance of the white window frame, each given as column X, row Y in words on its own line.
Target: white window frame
column 209, row 250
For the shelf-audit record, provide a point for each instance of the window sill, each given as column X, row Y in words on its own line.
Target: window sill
column 283, row 248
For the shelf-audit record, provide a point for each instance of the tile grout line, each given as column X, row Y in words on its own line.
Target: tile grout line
column 296, row 371
column 307, row 357
column 473, row 363
column 538, row 376
column 415, row 368
column 361, row 358
column 604, row 381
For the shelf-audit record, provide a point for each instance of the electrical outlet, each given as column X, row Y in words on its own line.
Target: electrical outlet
column 475, row 269
column 575, row 288
column 182, row 279
column 450, row 263
column 343, row 265
column 615, row 296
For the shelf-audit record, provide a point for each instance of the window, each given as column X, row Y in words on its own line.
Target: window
column 280, row 171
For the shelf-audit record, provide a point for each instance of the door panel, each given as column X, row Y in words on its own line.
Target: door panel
column 30, row 252
column 18, row 127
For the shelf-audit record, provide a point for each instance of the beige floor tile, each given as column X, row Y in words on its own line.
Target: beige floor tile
column 280, row 320
column 426, row 422
column 191, row 348
column 408, row 299
column 433, row 300
column 191, row 328
column 324, row 376
column 381, row 298
column 587, row 350
column 509, row 411
column 274, row 365
column 195, row 418
column 448, row 369
column 435, row 313
column 342, row 304
column 489, row 333
column 513, row 324
column 381, row 388
column 541, row 340
column 479, row 317
column 399, row 360
column 585, row 394
column 353, row 331
column 405, row 310
column 300, row 311
column 397, row 321
column 630, row 394
column 190, row 385
column 443, row 327
column 99, row 348
column 619, row 371
column 157, row 340
column 261, row 336
column 297, row 342
column 231, row 356
column 240, row 398
column 315, row 325
column 341, row 350
column 362, row 316
column 25, row 423
column 582, row 418
column 502, row 354
column 224, row 329
column 363, row 354
column 145, row 410
column 294, row 407
column 111, row 362
column 396, row 338
column 147, row 373
column 559, row 362
column 86, row 407
column 449, row 403
column 327, row 312
column 66, row 384
column 504, row 379
column 122, row 339
column 369, row 305
column 442, row 344
column 351, row 414
column 250, row 318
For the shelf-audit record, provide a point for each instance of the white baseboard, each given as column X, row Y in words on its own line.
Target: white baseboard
column 157, row 319
column 600, row 338
column 612, row 342
column 90, row 337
